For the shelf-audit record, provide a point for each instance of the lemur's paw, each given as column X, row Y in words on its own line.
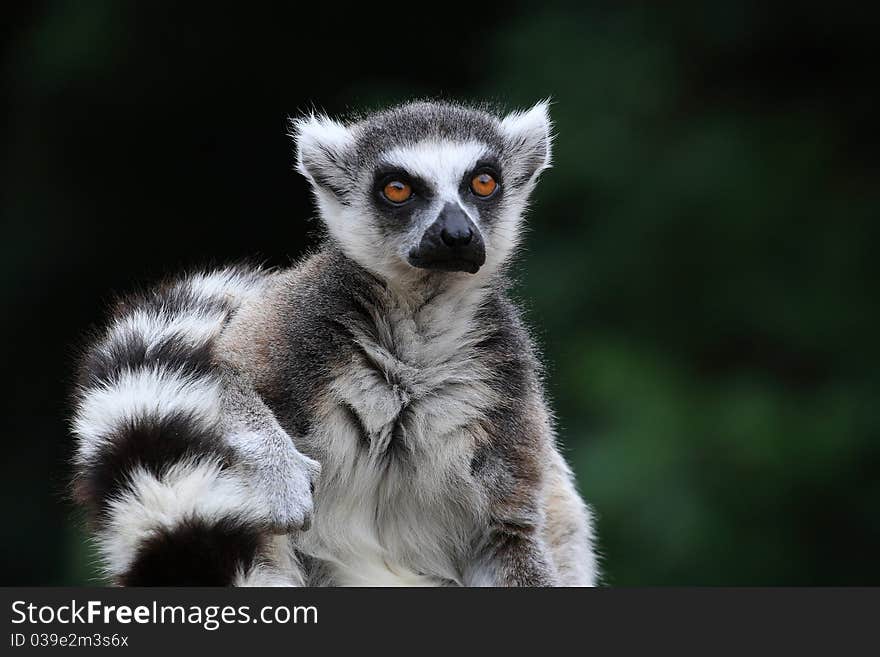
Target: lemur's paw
column 290, row 504
column 281, row 477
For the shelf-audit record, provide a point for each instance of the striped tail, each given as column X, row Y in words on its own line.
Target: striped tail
column 151, row 466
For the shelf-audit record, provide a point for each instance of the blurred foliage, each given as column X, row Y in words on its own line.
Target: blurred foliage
column 700, row 268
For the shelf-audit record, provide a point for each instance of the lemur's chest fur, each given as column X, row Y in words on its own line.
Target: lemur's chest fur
column 395, row 432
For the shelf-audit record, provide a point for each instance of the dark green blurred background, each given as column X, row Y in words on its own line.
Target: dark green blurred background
column 701, row 270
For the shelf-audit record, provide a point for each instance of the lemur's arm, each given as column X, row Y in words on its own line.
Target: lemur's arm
column 540, row 531
column 185, row 474
column 511, row 468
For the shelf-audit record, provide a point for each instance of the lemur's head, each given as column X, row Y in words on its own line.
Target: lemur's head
column 425, row 186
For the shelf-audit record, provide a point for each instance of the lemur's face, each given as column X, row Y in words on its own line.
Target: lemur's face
column 425, row 186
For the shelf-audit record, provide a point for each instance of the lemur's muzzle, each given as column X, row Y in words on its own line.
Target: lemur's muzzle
column 451, row 243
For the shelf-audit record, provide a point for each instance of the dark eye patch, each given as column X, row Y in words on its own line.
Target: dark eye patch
column 486, row 208
column 392, row 215
column 386, row 174
column 486, row 165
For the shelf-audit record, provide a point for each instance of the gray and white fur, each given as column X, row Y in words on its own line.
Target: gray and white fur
column 374, row 415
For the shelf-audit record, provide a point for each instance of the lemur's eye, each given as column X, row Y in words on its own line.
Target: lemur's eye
column 397, row 191
column 483, row 185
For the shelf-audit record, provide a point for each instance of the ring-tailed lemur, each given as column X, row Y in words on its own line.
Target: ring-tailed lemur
column 392, row 357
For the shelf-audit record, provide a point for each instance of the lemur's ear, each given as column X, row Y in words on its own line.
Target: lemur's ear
column 528, row 139
column 323, row 151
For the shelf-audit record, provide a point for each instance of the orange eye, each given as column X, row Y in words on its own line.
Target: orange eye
column 483, row 184
column 397, row 191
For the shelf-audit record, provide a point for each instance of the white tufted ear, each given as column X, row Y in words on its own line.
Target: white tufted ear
column 529, row 136
column 323, row 150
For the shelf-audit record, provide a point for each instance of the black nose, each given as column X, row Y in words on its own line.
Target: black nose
column 451, row 243
column 457, row 234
